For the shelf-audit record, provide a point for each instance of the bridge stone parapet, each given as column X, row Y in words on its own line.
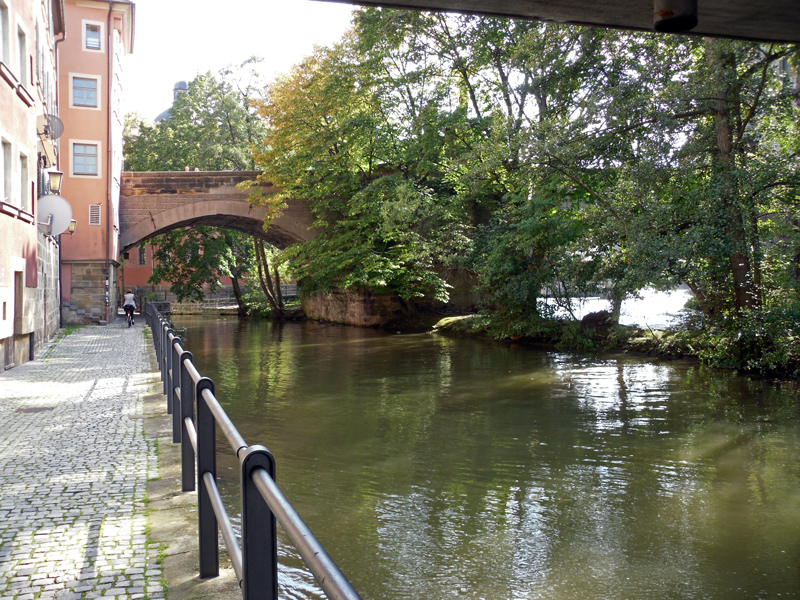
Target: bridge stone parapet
column 152, row 203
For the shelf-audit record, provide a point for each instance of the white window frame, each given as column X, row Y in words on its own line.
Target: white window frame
column 5, row 33
column 23, row 63
column 24, row 182
column 7, row 167
column 96, row 78
column 142, row 256
column 72, row 144
column 84, row 25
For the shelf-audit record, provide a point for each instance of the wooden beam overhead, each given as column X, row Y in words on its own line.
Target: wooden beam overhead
column 759, row 20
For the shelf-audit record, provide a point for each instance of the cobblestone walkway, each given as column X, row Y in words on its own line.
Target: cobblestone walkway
column 74, row 465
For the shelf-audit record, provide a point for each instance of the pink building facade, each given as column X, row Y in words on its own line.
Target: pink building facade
column 61, row 82
column 91, row 83
column 29, row 34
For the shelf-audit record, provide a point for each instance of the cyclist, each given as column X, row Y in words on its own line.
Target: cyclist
column 128, row 305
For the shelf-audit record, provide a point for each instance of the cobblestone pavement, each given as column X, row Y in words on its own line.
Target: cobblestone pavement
column 74, row 465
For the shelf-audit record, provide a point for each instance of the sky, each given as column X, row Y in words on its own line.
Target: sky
column 175, row 40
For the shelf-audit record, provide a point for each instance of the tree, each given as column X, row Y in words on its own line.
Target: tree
column 589, row 157
column 211, row 126
column 387, row 218
column 192, row 258
column 270, row 282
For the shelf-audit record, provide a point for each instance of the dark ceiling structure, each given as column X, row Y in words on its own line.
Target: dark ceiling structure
column 759, row 20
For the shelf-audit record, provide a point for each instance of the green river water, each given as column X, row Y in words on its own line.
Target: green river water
column 433, row 468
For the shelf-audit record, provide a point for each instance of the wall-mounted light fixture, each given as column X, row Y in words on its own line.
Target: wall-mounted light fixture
column 55, row 181
column 71, row 228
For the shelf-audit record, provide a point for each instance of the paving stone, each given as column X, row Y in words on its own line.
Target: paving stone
column 74, row 466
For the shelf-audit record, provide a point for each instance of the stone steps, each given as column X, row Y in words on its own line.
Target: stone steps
column 82, row 314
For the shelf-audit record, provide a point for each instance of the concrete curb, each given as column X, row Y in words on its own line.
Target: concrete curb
column 172, row 514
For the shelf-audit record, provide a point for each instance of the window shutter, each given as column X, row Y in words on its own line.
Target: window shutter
column 94, row 214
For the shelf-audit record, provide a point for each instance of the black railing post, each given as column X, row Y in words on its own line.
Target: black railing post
column 168, row 366
column 175, row 381
column 187, row 410
column 156, row 344
column 164, row 338
column 161, row 346
column 157, row 332
column 259, row 533
column 206, row 463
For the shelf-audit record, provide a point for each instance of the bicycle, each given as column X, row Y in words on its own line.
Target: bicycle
column 129, row 315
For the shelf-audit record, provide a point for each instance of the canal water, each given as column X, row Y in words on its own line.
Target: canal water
column 433, row 468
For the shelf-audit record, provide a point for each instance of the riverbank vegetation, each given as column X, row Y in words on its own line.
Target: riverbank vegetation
column 552, row 162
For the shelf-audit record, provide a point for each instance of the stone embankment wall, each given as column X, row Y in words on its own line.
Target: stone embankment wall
column 365, row 309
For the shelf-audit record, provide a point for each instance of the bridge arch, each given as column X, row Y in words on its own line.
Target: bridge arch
column 152, row 203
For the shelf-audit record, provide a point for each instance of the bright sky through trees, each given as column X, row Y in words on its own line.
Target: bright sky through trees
column 177, row 39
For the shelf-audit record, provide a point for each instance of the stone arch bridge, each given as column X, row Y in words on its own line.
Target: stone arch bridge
column 152, row 203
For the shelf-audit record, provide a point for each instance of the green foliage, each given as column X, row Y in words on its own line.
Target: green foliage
column 211, row 126
column 191, row 258
column 758, row 341
column 387, row 219
column 391, row 237
column 68, row 329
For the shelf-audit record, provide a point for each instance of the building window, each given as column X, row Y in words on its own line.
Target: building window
column 142, row 256
column 23, row 57
column 5, row 170
column 94, row 214
column 84, row 159
column 84, row 92
column 92, row 36
column 5, row 50
column 23, row 183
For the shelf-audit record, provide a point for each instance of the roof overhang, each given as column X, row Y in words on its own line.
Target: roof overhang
column 759, row 20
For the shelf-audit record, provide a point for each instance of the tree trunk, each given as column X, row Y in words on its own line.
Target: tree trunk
column 265, row 279
column 237, row 292
column 706, row 306
column 278, row 291
column 616, row 304
column 726, row 113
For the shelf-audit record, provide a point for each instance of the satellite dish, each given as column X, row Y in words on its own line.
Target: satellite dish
column 60, row 210
column 49, row 126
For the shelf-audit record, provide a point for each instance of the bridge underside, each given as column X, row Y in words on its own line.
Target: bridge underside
column 764, row 20
column 228, row 215
column 155, row 203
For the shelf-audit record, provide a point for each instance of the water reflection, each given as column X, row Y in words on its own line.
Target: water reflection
column 434, row 467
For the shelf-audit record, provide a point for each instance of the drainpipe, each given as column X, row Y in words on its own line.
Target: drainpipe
column 110, row 88
column 60, row 273
column 58, row 291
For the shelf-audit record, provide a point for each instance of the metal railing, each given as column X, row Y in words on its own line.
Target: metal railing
column 256, row 561
column 164, row 307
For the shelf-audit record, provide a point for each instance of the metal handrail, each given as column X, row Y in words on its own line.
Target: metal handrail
column 325, row 571
column 228, row 534
column 263, row 503
column 224, row 423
